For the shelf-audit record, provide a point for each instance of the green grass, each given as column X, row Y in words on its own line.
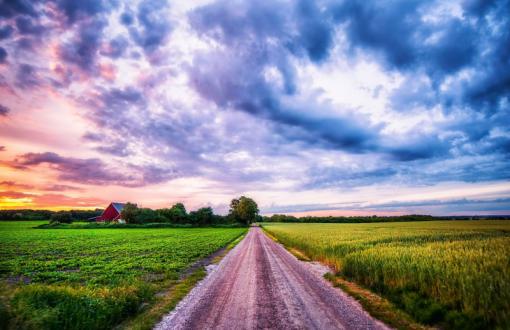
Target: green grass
column 164, row 303
column 95, row 278
column 112, row 225
column 452, row 273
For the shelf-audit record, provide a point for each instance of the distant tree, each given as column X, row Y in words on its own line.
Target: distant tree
column 130, row 213
column 202, row 216
column 244, row 210
column 85, row 215
column 165, row 215
column 61, row 217
column 26, row 214
column 146, row 215
column 178, row 213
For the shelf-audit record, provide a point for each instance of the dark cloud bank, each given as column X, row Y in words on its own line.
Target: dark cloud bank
column 276, row 34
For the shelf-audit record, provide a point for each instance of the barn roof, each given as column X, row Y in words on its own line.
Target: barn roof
column 118, row 206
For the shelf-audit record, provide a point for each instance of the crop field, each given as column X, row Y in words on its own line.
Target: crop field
column 92, row 278
column 452, row 273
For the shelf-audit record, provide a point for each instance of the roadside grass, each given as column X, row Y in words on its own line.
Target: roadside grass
column 295, row 252
column 39, row 306
column 95, row 279
column 451, row 274
column 377, row 306
column 112, row 225
column 163, row 303
column 166, row 301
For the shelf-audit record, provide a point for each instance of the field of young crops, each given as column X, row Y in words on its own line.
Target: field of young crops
column 92, row 278
column 452, row 273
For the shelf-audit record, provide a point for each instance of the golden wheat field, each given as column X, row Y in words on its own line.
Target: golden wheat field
column 452, row 273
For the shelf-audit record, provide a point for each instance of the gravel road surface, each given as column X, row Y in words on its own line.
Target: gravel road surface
column 260, row 285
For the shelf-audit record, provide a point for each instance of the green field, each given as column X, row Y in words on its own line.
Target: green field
column 452, row 273
column 92, row 278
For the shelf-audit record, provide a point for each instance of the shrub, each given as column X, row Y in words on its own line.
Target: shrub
column 244, row 210
column 61, row 217
column 129, row 213
column 202, row 216
column 63, row 307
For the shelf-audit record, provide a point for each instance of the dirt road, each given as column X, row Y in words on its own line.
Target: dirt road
column 259, row 285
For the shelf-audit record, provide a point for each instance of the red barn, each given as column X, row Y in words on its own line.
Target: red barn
column 111, row 213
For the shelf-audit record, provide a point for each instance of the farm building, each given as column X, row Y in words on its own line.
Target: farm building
column 111, row 213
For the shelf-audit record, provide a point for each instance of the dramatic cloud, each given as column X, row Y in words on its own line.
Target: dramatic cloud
column 9, row 9
column 26, row 200
column 3, row 55
column 15, row 185
column 3, row 110
column 436, row 207
column 25, row 25
column 83, row 48
column 90, row 170
column 26, row 76
column 14, row 195
column 320, row 98
column 153, row 26
column 6, row 31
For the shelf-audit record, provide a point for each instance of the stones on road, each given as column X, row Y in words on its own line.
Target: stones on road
column 260, row 285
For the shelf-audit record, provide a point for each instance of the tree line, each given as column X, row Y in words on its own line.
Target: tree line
column 34, row 215
column 354, row 219
column 375, row 218
column 243, row 210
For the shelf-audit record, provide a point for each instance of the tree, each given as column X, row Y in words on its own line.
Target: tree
column 202, row 216
column 178, row 213
column 61, row 217
column 130, row 213
column 244, row 210
column 146, row 215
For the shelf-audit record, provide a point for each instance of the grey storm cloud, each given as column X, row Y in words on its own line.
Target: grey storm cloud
column 398, row 33
column 72, row 169
column 92, row 170
column 240, row 85
column 4, row 110
column 235, row 78
column 154, row 26
column 26, row 76
column 3, row 55
column 12, row 8
column 259, row 36
column 25, row 25
column 83, row 48
column 6, row 31
column 116, row 47
column 480, row 39
column 86, row 20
